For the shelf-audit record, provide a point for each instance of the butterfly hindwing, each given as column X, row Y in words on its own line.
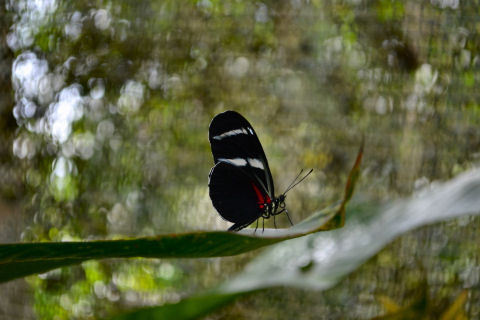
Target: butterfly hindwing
column 235, row 195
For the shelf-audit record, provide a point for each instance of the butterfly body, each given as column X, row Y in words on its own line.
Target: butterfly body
column 240, row 184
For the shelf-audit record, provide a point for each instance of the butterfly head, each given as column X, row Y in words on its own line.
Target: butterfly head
column 280, row 201
column 277, row 207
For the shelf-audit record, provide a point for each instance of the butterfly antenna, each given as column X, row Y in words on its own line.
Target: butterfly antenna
column 293, row 184
column 298, row 175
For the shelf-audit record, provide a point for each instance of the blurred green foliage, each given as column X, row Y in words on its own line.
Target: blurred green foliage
column 111, row 104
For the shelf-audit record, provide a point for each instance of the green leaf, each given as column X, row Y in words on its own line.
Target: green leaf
column 319, row 261
column 22, row 259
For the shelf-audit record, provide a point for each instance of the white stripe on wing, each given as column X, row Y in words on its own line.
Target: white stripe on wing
column 238, row 162
column 241, row 162
column 256, row 163
column 231, row 133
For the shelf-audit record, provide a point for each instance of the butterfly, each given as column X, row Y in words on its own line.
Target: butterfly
column 240, row 184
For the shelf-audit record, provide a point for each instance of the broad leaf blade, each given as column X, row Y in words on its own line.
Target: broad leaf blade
column 22, row 259
column 334, row 254
column 321, row 260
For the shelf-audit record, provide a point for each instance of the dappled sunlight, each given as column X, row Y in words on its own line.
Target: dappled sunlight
column 35, row 85
column 62, row 114
column 131, row 97
column 34, row 14
column 27, row 73
column 238, row 67
column 24, row 147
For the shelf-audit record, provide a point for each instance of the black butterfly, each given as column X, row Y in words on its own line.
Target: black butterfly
column 240, row 183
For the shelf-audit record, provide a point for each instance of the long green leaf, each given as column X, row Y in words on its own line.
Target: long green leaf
column 319, row 261
column 22, row 259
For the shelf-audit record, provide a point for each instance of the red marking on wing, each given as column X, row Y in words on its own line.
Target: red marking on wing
column 261, row 200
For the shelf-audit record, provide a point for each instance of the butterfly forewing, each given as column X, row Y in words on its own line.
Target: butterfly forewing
column 234, row 141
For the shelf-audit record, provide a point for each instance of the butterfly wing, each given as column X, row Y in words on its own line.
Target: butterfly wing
column 241, row 183
column 234, row 141
column 235, row 195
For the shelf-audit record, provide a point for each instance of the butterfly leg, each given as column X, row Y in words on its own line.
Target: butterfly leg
column 256, row 227
column 263, row 225
column 274, row 222
column 288, row 216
